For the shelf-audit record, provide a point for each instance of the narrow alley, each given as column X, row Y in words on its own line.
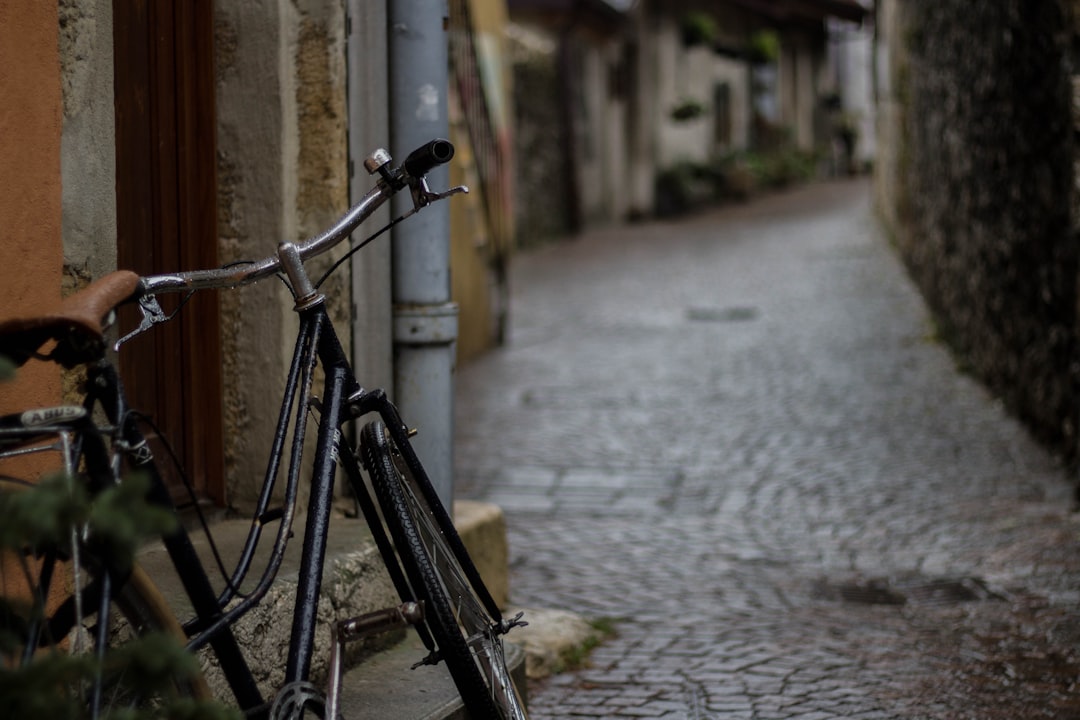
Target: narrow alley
column 737, row 439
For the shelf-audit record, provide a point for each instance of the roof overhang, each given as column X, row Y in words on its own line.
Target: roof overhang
column 799, row 10
column 597, row 16
column 607, row 14
column 595, row 8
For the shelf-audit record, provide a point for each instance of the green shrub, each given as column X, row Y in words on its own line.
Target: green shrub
column 698, row 28
column 781, row 167
column 687, row 186
column 683, row 187
column 39, row 518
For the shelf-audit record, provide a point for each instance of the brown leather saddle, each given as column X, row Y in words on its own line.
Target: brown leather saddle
column 75, row 323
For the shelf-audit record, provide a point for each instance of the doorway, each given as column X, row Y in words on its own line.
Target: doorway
column 166, row 198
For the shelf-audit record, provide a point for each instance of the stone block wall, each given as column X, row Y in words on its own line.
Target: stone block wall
column 976, row 185
column 541, row 202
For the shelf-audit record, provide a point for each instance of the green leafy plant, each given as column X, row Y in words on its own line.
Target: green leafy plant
column 686, row 186
column 577, row 657
column 687, row 109
column 781, row 167
column 38, row 519
column 764, row 47
column 698, row 28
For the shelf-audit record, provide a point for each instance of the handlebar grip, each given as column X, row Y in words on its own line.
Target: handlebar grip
column 427, row 156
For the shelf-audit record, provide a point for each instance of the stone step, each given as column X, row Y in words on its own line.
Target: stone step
column 386, row 687
column 355, row 582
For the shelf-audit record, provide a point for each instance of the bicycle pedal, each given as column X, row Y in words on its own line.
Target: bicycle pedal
column 361, row 626
column 379, row 621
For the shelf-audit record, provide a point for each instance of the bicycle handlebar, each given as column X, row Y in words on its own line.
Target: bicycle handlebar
column 426, row 157
column 409, row 174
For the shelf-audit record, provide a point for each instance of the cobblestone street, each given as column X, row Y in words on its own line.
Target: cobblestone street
column 737, row 437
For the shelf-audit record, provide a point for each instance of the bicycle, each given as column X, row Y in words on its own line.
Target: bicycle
column 443, row 596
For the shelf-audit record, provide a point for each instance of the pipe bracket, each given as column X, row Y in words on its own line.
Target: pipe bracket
column 426, row 324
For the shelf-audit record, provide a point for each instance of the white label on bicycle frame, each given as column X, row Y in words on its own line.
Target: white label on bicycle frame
column 335, row 449
column 51, row 415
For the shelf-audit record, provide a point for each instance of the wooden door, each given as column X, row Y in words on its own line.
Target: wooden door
column 166, row 221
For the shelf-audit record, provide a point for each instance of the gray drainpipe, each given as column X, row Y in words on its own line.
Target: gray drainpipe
column 425, row 321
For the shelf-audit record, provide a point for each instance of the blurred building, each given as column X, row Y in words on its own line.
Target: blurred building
column 609, row 95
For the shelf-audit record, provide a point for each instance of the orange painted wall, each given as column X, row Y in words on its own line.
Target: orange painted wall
column 31, row 249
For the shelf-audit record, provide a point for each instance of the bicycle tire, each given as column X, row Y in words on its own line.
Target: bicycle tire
column 136, row 609
column 468, row 638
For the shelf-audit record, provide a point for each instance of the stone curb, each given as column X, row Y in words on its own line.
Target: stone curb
column 551, row 639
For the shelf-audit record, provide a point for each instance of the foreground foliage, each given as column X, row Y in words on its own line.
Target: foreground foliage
column 42, row 519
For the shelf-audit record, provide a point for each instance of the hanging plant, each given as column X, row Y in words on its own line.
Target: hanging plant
column 764, row 47
column 698, row 29
column 687, row 110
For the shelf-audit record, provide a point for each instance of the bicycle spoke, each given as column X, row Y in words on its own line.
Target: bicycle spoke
column 468, row 638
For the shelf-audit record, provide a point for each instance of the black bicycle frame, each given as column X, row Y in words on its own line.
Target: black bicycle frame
column 105, row 389
column 342, row 400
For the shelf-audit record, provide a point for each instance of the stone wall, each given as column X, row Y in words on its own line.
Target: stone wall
column 282, row 175
column 541, row 201
column 976, row 184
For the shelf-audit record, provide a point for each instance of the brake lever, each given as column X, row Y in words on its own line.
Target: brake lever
column 152, row 314
column 423, row 196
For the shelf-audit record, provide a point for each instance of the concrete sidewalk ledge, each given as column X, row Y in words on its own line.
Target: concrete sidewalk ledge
column 355, row 582
column 386, row 687
column 482, row 527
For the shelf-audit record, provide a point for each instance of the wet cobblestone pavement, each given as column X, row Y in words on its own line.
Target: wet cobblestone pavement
column 736, row 437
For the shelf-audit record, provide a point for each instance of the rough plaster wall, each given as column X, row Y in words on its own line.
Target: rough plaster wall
column 889, row 197
column 858, row 90
column 689, row 140
column 470, row 246
column 87, row 151
column 322, row 181
column 252, row 211
column 671, row 89
column 614, row 140
column 693, row 74
column 592, row 130
column 282, row 175
column 539, row 212
column 799, row 73
column 737, row 76
column 88, row 141
column 641, row 186
column 982, row 191
column 322, row 163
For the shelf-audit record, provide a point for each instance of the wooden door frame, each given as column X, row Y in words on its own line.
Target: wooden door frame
column 166, row 196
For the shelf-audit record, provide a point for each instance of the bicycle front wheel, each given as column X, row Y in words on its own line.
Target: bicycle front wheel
column 468, row 638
